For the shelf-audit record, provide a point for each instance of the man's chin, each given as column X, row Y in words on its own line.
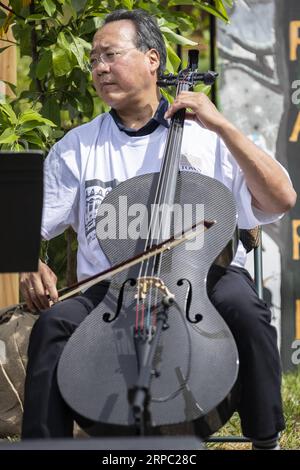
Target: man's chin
column 113, row 100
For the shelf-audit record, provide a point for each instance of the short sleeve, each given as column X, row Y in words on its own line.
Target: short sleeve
column 60, row 193
column 233, row 177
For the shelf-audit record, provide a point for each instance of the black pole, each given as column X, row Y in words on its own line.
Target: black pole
column 212, row 53
column 179, row 47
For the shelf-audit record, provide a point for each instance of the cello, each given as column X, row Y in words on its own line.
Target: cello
column 155, row 353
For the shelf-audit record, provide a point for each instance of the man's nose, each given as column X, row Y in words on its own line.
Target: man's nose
column 102, row 66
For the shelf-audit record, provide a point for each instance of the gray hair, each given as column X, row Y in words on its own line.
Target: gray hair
column 148, row 34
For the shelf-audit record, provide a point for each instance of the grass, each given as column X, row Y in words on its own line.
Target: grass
column 290, row 437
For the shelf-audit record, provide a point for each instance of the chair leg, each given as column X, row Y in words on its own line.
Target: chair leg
column 258, row 267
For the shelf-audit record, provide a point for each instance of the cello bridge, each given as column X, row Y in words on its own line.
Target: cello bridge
column 144, row 284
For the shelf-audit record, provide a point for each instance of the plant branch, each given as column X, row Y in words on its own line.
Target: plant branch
column 11, row 42
column 34, row 51
column 5, row 7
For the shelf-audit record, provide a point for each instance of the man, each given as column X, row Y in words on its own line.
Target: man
column 127, row 55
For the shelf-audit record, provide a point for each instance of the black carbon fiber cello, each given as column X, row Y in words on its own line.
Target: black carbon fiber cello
column 155, row 353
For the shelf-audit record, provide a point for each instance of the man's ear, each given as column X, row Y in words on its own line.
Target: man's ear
column 154, row 59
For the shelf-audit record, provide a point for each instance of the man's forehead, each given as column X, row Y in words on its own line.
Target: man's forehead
column 116, row 33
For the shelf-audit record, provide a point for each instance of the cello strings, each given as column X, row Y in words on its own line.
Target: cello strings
column 159, row 219
column 154, row 218
column 153, row 222
column 176, row 145
column 152, row 227
column 172, row 148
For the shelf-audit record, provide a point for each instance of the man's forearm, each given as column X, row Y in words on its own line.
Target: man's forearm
column 270, row 187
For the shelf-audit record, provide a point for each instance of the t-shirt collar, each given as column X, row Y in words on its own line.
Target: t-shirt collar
column 151, row 125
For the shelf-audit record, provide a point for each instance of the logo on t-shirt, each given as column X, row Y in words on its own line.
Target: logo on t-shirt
column 95, row 192
column 189, row 163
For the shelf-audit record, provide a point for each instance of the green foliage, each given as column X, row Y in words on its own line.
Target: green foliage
column 55, row 91
column 56, row 36
column 29, row 128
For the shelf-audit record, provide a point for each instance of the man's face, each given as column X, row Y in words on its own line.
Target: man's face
column 125, row 81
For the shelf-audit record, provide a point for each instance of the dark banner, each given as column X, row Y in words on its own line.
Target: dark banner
column 288, row 56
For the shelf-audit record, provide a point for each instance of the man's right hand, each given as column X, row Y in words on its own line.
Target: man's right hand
column 39, row 288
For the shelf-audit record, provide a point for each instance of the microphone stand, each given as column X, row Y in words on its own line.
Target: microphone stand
column 139, row 396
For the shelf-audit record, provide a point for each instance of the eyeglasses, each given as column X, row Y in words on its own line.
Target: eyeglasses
column 107, row 57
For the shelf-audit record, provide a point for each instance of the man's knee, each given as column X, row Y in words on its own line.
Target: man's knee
column 235, row 298
column 247, row 311
column 60, row 319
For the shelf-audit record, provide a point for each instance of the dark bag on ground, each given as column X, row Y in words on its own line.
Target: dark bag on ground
column 15, row 328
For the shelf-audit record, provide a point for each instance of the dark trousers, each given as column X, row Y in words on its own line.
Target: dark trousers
column 233, row 293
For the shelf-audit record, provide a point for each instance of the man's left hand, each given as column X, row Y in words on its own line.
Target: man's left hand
column 202, row 109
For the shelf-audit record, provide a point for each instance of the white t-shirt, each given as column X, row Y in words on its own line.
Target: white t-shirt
column 93, row 158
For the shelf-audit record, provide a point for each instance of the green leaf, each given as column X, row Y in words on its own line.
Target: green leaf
column 98, row 20
column 213, row 11
column 79, row 5
column 161, row 22
column 7, row 110
column 7, row 137
column 28, row 126
column 68, row 13
column 173, row 61
column 172, row 3
column 11, row 85
column 51, row 110
column 62, row 41
column 36, row 17
column 24, row 36
column 30, row 115
column 44, row 64
column 17, row 147
column 49, row 6
column 217, row 10
column 176, row 38
column 85, row 44
column 62, row 63
column 78, row 51
column 167, row 95
column 203, row 88
column 90, row 25
column 127, row 4
column 57, row 134
column 33, row 138
column 83, row 103
column 30, row 95
column 45, row 131
column 222, row 10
